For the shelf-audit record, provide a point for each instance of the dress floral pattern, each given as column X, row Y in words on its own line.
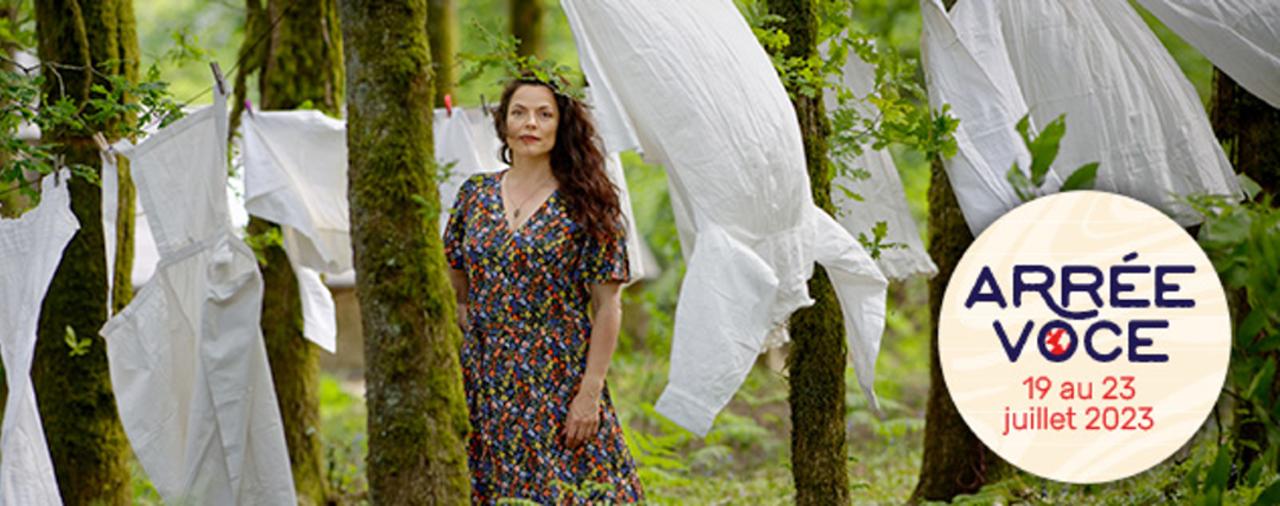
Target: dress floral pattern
column 525, row 353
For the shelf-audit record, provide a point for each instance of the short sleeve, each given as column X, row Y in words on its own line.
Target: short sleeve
column 602, row 261
column 454, row 231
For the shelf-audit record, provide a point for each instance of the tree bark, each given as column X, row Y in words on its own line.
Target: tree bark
column 955, row 462
column 300, row 61
column 1249, row 129
column 86, row 441
column 526, row 25
column 817, row 359
column 417, row 421
column 442, row 32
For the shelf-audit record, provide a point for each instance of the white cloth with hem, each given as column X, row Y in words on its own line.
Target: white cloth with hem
column 186, row 356
column 682, row 75
column 31, row 248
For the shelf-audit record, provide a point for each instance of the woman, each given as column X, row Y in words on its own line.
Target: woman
column 538, row 262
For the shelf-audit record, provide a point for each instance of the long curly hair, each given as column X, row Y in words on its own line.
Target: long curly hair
column 577, row 161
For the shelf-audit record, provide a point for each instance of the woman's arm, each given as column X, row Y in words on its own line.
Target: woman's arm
column 606, row 321
column 458, row 279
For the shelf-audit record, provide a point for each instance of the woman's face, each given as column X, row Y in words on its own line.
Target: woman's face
column 532, row 118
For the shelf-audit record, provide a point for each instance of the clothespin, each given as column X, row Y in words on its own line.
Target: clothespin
column 484, row 106
column 248, row 107
column 101, row 141
column 57, row 171
column 217, row 75
column 448, row 105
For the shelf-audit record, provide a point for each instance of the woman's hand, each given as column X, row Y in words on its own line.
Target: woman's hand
column 584, row 416
column 464, row 320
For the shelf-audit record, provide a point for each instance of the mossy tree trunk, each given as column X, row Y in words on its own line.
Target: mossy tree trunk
column 299, row 61
column 442, row 32
column 955, row 462
column 817, row 359
column 417, row 421
column 1249, row 129
column 86, row 440
column 526, row 25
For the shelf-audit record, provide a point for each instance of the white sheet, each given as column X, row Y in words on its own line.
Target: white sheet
column 30, row 250
column 295, row 167
column 970, row 70
column 187, row 361
column 1127, row 103
column 1241, row 37
column 705, row 102
column 882, row 193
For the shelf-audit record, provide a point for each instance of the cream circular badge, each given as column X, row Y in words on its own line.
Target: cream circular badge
column 1084, row 337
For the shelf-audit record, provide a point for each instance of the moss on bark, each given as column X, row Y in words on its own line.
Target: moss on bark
column 417, row 421
column 955, row 462
column 299, row 62
column 816, row 362
column 86, row 440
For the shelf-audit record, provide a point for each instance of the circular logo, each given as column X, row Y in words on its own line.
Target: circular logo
column 1084, row 337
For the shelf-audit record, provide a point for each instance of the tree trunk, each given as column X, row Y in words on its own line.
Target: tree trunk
column 955, row 462
column 86, row 440
column 442, row 31
column 1250, row 131
column 817, row 359
column 417, row 421
column 300, row 61
column 526, row 25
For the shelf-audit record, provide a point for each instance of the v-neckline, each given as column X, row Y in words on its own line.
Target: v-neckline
column 502, row 206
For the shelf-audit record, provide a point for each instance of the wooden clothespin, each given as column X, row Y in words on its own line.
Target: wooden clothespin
column 484, row 105
column 248, row 107
column 101, row 141
column 217, row 75
column 448, row 105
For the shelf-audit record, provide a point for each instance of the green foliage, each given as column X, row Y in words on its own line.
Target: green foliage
column 262, row 241
column 1044, row 149
column 894, row 113
column 876, row 244
column 79, row 347
column 111, row 97
column 502, row 55
column 1243, row 241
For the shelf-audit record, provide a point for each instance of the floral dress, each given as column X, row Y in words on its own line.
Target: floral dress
column 526, row 351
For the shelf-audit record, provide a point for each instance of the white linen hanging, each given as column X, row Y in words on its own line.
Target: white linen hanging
column 704, row 100
column 1241, row 37
column 295, row 167
column 145, row 255
column 467, row 140
column 967, row 67
column 1127, row 103
column 186, row 357
column 882, row 193
column 31, row 248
